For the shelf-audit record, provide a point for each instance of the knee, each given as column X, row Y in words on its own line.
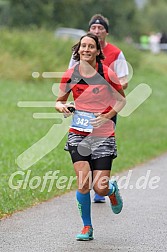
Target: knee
column 84, row 184
column 101, row 191
column 84, row 176
column 84, row 187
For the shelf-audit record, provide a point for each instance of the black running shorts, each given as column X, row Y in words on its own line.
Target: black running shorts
column 98, row 151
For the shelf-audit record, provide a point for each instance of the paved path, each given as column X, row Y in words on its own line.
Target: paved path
column 52, row 226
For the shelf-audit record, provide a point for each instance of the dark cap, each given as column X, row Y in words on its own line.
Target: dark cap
column 99, row 21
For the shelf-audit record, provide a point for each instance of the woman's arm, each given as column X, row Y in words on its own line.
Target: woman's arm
column 119, row 104
column 61, row 104
column 120, row 99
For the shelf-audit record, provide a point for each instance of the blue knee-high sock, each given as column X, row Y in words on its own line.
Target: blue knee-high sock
column 111, row 188
column 84, row 206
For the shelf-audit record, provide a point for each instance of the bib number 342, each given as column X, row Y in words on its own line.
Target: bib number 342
column 81, row 121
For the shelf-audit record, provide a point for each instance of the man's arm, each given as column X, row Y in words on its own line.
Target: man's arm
column 72, row 62
column 121, row 69
column 124, row 82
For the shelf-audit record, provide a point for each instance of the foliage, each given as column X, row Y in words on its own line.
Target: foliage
column 85, row 9
column 71, row 13
column 153, row 17
column 38, row 50
column 30, row 12
column 124, row 16
column 22, row 53
column 157, row 17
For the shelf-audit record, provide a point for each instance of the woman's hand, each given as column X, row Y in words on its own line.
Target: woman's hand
column 99, row 120
column 63, row 108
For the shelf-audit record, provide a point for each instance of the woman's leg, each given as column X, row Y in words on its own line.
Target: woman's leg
column 83, row 173
column 84, row 181
column 101, row 175
column 103, row 186
column 101, row 183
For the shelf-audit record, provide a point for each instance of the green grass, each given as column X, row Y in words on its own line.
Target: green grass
column 18, row 132
column 140, row 137
column 32, row 51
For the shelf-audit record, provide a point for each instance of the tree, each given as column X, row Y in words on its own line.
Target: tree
column 157, row 17
column 4, row 12
column 74, row 13
column 30, row 12
column 153, row 17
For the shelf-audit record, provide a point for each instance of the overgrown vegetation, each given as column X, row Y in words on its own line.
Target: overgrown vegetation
column 124, row 16
column 22, row 53
column 32, row 51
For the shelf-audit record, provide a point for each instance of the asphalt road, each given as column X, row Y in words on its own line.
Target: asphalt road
column 141, row 226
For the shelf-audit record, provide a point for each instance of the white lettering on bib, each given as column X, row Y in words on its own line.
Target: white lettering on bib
column 81, row 121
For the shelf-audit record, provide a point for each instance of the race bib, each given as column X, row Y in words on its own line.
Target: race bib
column 81, row 121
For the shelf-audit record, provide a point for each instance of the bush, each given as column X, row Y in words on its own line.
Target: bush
column 132, row 55
column 38, row 50
column 32, row 51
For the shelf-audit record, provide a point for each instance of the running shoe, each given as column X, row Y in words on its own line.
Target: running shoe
column 99, row 199
column 86, row 234
column 116, row 200
column 66, row 147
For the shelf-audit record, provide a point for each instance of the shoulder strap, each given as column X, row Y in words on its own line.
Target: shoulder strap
column 100, row 69
column 76, row 78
